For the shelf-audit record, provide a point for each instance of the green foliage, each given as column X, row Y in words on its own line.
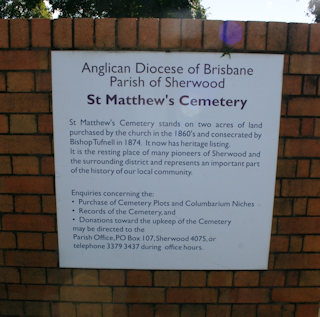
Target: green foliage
column 23, row 9
column 314, row 9
column 129, row 8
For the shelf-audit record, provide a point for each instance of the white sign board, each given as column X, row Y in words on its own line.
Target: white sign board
column 165, row 160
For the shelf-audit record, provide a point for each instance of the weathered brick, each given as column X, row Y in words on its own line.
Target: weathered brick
column 246, row 278
column 148, row 33
column 298, row 261
column 317, row 127
column 170, row 33
column 19, row 33
column 50, row 241
column 4, row 126
column 296, row 295
column 23, row 60
column 315, row 168
column 5, row 165
column 295, row 244
column 27, row 144
column 211, row 38
column 256, row 38
column 9, row 275
column 302, row 147
column 192, row 295
column 302, row 106
column 7, row 240
column 304, row 64
column 11, row 308
column 307, row 127
column 4, row 38
column 115, row 310
column 20, row 81
column 43, row 82
column 33, row 292
column 139, row 278
column 289, row 127
column 49, row 204
column 244, row 295
column 298, row 37
column 286, row 168
column 59, row 276
column 47, row 165
column 167, row 311
column 311, row 244
column 300, row 206
column 191, row 34
column 193, row 278
column 138, row 295
column 301, row 187
column 33, row 276
column 127, row 33
column 85, row 310
column 85, row 277
column 85, row 294
column 63, row 310
column 193, row 310
column 6, row 203
column 3, row 82
column 272, row 278
column 310, row 84
column 23, row 123
column 269, row 311
column 83, row 33
column 218, row 310
column 282, row 206
column 45, row 123
column 314, row 37
column 292, row 278
column 25, row 222
column 112, row 277
column 291, row 85
column 220, row 279
column 303, row 168
column 166, row 278
column 24, row 102
column 39, row 309
column 28, row 204
column 26, row 185
column 304, row 310
column 277, row 36
column 141, row 310
column 62, row 33
column 25, row 165
column 314, row 207
column 30, row 240
column 105, row 33
column 243, row 310
column 41, row 32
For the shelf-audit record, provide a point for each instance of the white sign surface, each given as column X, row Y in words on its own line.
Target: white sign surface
column 165, row 160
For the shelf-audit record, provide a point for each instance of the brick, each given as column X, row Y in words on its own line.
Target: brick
column 311, row 244
column 220, row 279
column 281, row 147
column 105, row 33
column 286, row 168
column 85, row 277
column 298, row 261
column 304, row 310
column 274, row 225
column 304, row 107
column 300, row 206
column 63, row 310
column 277, row 188
column 141, row 310
column 30, row 240
column 282, row 207
column 49, row 204
column 43, row 82
column 26, row 185
column 246, row 279
column 33, row 276
column 25, row 165
column 314, row 38
column 218, row 310
column 314, row 207
column 24, row 102
column 41, row 32
column 166, row 278
column 45, row 123
column 269, row 311
column 11, row 308
column 307, row 127
column 244, row 295
column 193, row 278
column 59, row 276
column 211, row 38
column 317, row 127
column 302, row 147
column 232, row 34
column 315, row 168
column 192, row 295
column 295, row 244
column 299, row 225
column 5, row 165
column 47, row 166
column 112, row 277
column 193, row 310
column 3, row 83
column 298, row 37
column 4, row 38
column 28, row 204
column 256, row 37
column 19, row 33
column 191, row 33
column 138, row 295
column 310, row 84
column 170, row 33
column 272, row 278
column 292, row 278
column 309, row 278
column 300, row 188
column 303, row 168
column 167, row 311
column 83, row 33
column 9, row 275
column 304, row 64
column 25, row 222
column 3, row 292
column 85, row 310
column 85, row 294
column 148, row 33
column 243, row 310
column 6, row 203
column 38, row 309
column 20, row 81
column 277, row 36
column 23, row 60
column 296, row 295
column 62, row 33
column 50, row 241
column 127, row 33
column 23, row 123
column 33, row 292
column 115, row 310
column 291, row 85
column 139, row 278
column 4, row 126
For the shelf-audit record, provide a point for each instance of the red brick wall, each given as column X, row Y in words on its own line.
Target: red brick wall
column 31, row 283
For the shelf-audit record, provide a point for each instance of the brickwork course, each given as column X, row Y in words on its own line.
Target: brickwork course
column 31, row 282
